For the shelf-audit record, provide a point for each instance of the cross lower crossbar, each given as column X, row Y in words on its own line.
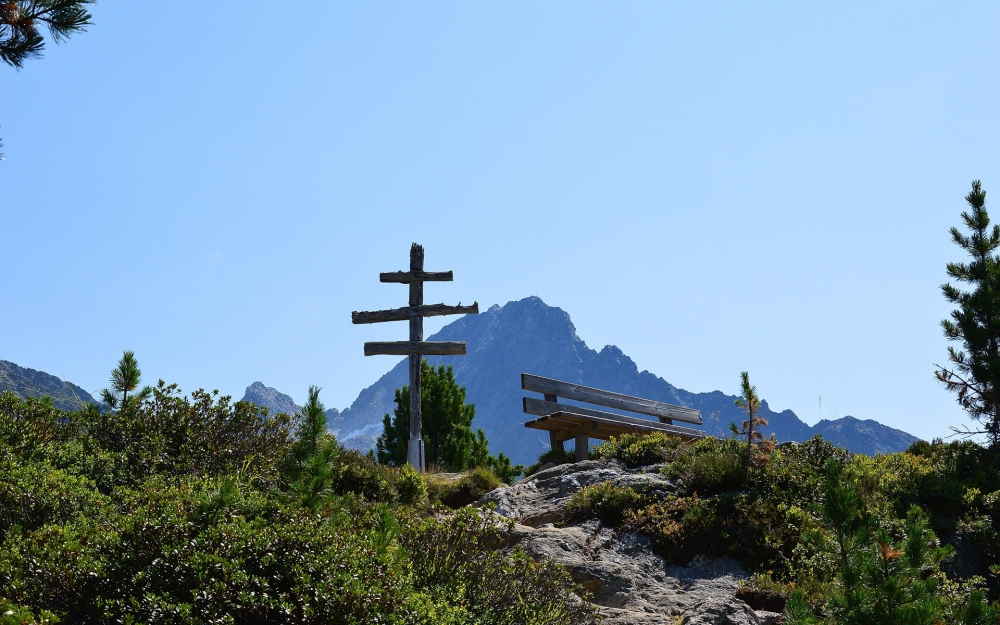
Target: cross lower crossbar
column 405, row 348
column 407, row 277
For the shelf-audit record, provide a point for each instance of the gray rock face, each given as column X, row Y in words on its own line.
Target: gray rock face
column 627, row 580
column 25, row 382
column 267, row 397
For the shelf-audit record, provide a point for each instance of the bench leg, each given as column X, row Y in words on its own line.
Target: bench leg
column 556, row 443
column 582, row 446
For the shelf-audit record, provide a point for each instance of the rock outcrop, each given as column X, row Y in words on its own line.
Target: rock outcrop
column 628, row 581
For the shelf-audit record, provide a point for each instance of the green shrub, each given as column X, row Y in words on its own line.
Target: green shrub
column 460, row 491
column 35, row 494
column 639, row 449
column 11, row 614
column 683, row 527
column 714, row 472
column 411, row 487
column 460, row 555
column 607, row 502
column 502, row 468
column 354, row 473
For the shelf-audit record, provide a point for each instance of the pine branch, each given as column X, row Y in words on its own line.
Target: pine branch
column 21, row 21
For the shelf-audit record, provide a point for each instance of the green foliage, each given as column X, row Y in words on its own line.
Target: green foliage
column 462, row 490
column 411, row 487
column 203, row 435
column 710, row 466
column 125, row 379
column 449, row 442
column 213, row 513
column 885, row 571
column 831, row 537
column 310, row 463
column 447, row 422
column 11, row 614
column 639, row 449
column 756, row 446
column 20, row 22
column 975, row 368
column 462, row 555
column 357, row 474
column 607, row 502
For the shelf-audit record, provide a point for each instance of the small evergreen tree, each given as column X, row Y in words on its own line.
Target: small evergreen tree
column 125, row 379
column 446, row 419
column 449, row 441
column 310, row 466
column 975, row 371
column 750, row 402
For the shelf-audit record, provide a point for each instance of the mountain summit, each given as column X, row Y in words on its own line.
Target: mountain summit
column 528, row 336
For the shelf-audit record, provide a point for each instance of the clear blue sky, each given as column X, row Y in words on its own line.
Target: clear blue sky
column 712, row 188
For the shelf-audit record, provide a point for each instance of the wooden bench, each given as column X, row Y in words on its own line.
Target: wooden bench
column 565, row 422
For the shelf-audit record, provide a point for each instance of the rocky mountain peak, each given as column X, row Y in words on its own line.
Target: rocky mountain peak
column 266, row 397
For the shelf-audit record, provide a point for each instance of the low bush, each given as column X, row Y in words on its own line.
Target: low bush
column 461, row 490
column 409, row 484
column 607, row 502
column 639, row 449
column 355, row 473
column 461, row 555
column 101, row 522
column 11, row 614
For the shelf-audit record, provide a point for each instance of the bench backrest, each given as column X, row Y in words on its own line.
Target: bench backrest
column 553, row 389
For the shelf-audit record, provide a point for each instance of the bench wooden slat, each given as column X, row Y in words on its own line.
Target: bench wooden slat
column 571, row 424
column 540, row 407
column 577, row 392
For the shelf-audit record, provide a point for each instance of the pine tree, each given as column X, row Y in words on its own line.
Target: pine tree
column 750, row 402
column 449, row 441
column 975, row 371
column 125, row 379
column 447, row 422
column 310, row 462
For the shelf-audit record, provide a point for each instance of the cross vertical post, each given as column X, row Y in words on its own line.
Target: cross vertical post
column 416, row 348
column 415, row 446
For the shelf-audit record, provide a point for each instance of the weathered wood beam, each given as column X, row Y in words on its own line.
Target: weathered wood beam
column 405, row 348
column 578, row 392
column 406, row 277
column 534, row 406
column 403, row 314
column 565, row 426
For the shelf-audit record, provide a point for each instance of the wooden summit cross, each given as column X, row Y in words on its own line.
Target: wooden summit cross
column 416, row 348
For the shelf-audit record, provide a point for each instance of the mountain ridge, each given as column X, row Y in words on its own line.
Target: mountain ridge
column 530, row 336
column 25, row 382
